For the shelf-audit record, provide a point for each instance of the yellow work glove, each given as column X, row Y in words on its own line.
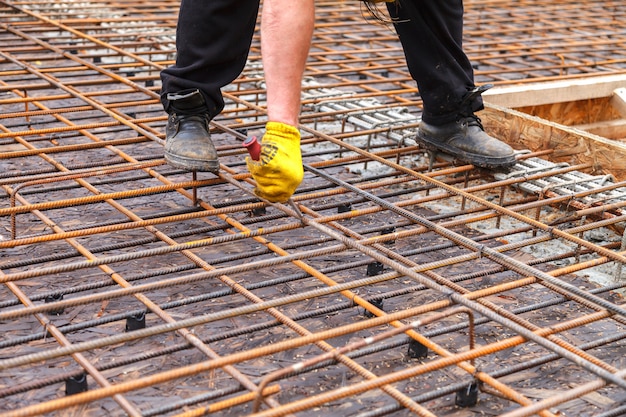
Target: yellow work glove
column 279, row 172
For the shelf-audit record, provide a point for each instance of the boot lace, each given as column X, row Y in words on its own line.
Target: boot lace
column 472, row 120
column 199, row 117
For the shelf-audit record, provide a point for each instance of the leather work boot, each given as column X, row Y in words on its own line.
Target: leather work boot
column 188, row 142
column 465, row 139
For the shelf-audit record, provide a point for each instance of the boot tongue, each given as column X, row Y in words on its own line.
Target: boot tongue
column 467, row 108
column 473, row 94
column 188, row 102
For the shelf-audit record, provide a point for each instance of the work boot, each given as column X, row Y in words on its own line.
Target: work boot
column 465, row 139
column 188, row 142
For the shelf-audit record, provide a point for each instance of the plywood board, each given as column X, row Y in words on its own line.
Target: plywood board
column 592, row 110
column 523, row 131
column 610, row 129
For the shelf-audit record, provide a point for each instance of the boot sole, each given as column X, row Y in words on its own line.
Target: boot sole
column 481, row 161
column 192, row 164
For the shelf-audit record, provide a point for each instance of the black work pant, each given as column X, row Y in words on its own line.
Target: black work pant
column 213, row 40
column 431, row 33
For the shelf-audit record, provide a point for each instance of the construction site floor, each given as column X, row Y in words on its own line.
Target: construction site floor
column 391, row 284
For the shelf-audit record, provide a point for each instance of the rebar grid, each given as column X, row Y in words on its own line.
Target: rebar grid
column 133, row 288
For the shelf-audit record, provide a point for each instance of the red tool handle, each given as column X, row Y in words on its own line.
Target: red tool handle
column 253, row 146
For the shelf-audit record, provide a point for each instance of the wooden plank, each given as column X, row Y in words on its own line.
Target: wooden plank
column 618, row 101
column 561, row 91
column 523, row 131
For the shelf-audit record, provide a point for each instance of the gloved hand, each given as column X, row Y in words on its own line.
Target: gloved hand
column 279, row 172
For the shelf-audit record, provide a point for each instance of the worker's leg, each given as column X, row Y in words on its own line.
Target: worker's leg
column 431, row 33
column 212, row 40
column 286, row 30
